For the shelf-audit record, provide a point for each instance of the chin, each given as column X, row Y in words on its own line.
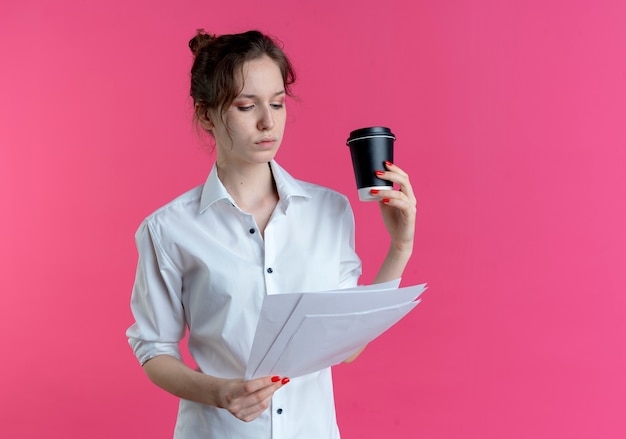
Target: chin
column 265, row 156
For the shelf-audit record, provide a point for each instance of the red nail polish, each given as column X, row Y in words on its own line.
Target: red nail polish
column 379, row 173
column 374, row 191
column 388, row 163
column 285, row 380
column 275, row 379
column 385, row 200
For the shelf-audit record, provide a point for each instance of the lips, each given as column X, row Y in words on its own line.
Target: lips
column 266, row 142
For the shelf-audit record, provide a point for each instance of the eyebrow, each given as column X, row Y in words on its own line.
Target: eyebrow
column 278, row 93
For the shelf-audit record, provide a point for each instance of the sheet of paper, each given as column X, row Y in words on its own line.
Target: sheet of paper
column 340, row 302
column 356, row 329
column 276, row 310
column 300, row 333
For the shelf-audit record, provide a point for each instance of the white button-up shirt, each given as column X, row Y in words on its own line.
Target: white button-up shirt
column 204, row 265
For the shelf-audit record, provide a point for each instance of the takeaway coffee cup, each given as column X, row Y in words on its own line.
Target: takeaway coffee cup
column 370, row 148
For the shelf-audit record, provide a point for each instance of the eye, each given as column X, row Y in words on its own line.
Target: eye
column 277, row 106
column 245, row 107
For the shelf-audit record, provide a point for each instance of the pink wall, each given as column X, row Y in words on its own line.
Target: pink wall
column 509, row 115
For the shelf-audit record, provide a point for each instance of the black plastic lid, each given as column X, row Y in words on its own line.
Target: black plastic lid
column 362, row 133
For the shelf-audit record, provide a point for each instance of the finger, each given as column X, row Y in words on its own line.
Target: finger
column 401, row 204
column 401, row 178
column 255, row 403
column 253, row 409
column 239, row 390
column 257, row 384
column 395, row 168
column 261, row 388
column 394, row 173
column 387, row 195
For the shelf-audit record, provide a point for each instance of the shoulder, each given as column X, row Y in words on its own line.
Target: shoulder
column 181, row 208
column 316, row 190
column 326, row 198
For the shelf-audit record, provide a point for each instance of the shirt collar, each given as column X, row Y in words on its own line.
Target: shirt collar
column 287, row 186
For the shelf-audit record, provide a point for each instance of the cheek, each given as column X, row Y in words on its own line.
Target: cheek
column 234, row 123
column 281, row 117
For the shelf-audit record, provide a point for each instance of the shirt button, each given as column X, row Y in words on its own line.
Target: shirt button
column 251, row 231
column 279, row 411
column 270, row 271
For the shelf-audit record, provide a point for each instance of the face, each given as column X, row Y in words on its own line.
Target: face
column 251, row 129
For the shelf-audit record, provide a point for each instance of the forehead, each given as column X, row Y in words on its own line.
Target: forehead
column 261, row 74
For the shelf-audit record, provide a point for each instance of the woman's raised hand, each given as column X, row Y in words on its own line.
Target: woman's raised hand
column 398, row 207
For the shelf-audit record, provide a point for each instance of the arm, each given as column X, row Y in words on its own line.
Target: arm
column 245, row 400
column 160, row 325
column 398, row 208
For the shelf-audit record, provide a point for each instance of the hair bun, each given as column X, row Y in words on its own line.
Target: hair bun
column 200, row 41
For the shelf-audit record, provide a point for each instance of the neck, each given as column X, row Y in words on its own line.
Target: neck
column 248, row 185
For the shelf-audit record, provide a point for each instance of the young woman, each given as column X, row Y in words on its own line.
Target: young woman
column 207, row 259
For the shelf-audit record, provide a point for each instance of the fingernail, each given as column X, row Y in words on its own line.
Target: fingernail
column 379, row 173
column 388, row 163
column 285, row 380
column 385, row 200
column 275, row 379
column 374, row 191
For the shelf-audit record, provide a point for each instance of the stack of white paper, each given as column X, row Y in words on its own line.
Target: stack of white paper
column 301, row 333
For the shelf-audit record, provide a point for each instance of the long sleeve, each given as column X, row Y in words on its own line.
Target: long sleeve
column 156, row 301
column 350, row 269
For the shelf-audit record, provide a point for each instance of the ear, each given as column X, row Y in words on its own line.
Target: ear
column 202, row 113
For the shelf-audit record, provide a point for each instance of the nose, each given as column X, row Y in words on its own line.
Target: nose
column 266, row 120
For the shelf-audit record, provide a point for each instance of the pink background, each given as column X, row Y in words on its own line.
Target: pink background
column 509, row 117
